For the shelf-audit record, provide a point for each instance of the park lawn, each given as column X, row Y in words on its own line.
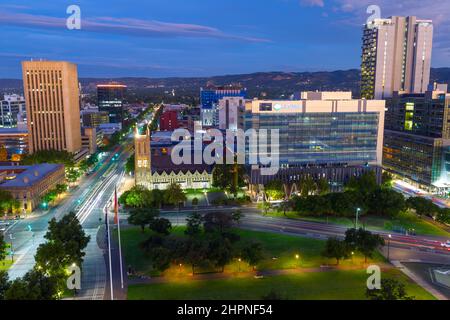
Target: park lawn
column 330, row 285
column 5, row 264
column 279, row 253
column 406, row 220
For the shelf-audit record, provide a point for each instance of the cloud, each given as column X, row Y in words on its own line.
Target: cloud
column 127, row 26
column 312, row 3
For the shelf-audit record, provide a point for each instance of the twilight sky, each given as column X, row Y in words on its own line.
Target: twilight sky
column 160, row 38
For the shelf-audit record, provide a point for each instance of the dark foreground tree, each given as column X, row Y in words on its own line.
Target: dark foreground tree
column 337, row 249
column 391, row 289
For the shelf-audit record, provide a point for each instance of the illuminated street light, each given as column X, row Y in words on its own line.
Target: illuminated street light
column 356, row 221
column 389, row 244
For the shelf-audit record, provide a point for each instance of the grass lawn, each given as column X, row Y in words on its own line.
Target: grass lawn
column 279, row 252
column 405, row 220
column 339, row 285
column 5, row 264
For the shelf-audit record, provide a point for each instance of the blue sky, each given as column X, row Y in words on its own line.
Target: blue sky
column 159, row 38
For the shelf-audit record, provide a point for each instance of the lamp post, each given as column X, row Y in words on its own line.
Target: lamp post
column 389, row 243
column 239, row 264
column 357, row 214
column 352, row 255
column 297, row 257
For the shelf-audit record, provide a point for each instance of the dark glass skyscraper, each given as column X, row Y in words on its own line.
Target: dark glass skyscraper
column 417, row 138
column 111, row 98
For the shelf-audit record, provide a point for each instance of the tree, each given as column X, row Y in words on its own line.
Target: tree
column 7, row 202
column 194, row 225
column 35, row 285
column 391, row 289
column 72, row 175
column 275, row 190
column 386, row 179
column 4, row 284
column 363, row 241
column 323, row 186
column 443, row 216
column 137, row 197
column 51, row 258
column 284, row 206
column 161, row 226
column 252, row 253
column 174, row 195
column 70, row 233
column 61, row 188
column 363, row 185
column 220, row 251
column 142, row 217
column 129, row 165
column 2, row 248
column 237, row 215
column 195, row 202
column 307, row 186
column 422, row 206
column 265, row 206
column 50, row 156
column 386, row 202
column 225, row 176
column 217, row 222
column 335, row 248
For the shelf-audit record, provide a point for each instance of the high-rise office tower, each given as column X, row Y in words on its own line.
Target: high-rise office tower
column 396, row 56
column 110, row 99
column 52, row 104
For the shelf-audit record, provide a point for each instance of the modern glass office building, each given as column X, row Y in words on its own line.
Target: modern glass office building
column 417, row 138
column 111, row 98
column 323, row 134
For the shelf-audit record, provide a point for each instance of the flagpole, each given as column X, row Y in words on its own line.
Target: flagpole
column 109, row 249
column 120, row 243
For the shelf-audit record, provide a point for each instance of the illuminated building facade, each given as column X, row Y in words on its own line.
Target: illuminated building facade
column 417, row 138
column 52, row 104
column 396, row 56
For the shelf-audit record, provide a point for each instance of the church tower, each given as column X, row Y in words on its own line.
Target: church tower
column 143, row 159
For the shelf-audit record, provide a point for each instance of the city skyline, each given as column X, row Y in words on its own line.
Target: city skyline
column 179, row 39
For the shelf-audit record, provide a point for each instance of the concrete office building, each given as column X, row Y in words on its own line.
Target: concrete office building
column 92, row 118
column 231, row 113
column 209, row 99
column 52, row 105
column 10, row 108
column 396, row 56
column 417, row 138
column 328, row 135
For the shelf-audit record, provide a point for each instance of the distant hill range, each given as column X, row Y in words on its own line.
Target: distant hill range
column 262, row 84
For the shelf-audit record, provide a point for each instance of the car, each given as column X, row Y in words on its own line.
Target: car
column 446, row 244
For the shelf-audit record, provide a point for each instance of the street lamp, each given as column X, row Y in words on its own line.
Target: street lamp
column 239, row 264
column 356, row 221
column 389, row 243
column 297, row 257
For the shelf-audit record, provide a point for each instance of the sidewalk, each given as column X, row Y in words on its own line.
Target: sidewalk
column 425, row 285
column 264, row 273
